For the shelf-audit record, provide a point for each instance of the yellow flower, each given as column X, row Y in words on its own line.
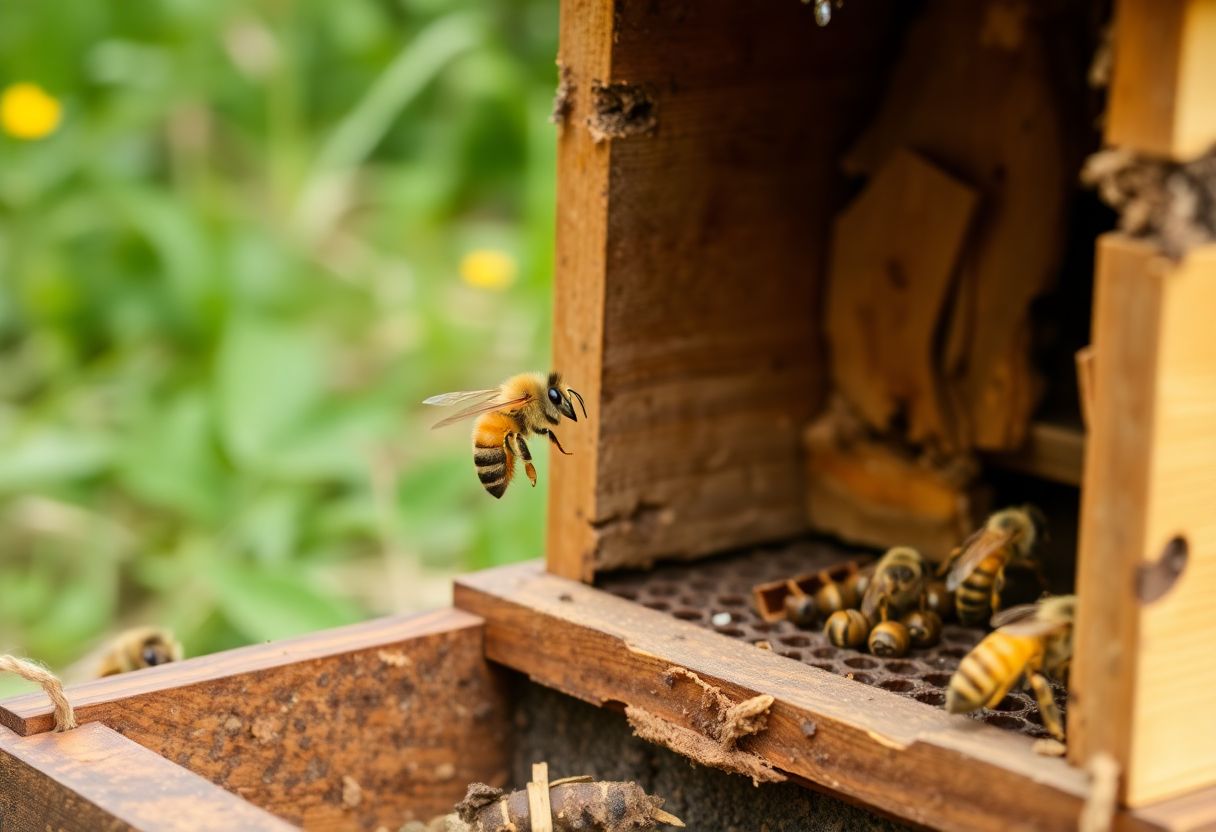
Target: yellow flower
column 28, row 112
column 488, row 269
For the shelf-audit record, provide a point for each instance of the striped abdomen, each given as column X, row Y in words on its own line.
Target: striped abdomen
column 494, row 460
column 847, row 628
column 973, row 598
column 987, row 673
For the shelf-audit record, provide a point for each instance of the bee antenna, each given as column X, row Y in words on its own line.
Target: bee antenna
column 582, row 404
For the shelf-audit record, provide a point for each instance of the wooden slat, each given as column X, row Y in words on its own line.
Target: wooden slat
column 404, row 706
column 1052, row 452
column 865, row 744
column 1143, row 673
column 689, row 261
column 1161, row 99
column 93, row 779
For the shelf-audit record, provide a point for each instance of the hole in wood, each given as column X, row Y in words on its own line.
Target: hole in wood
column 1002, row 721
column 824, row 652
column 688, row 615
column 731, row 600
column 861, row 663
column 864, row 678
column 931, row 697
column 831, row 668
column 733, row 632
column 656, row 605
column 1009, row 703
column 795, row 641
column 897, row 685
column 938, row 680
column 1154, row 580
column 791, row 654
column 901, row 667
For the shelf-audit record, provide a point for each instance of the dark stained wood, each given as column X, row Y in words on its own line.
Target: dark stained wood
column 1052, row 452
column 405, row 706
column 690, row 259
column 92, row 779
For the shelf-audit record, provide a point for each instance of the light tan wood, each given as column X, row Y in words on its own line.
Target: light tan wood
column 1143, row 674
column 406, row 707
column 1053, row 452
column 539, row 810
column 903, row 758
column 1161, row 94
column 974, row 91
column 690, row 263
column 93, row 779
column 1085, row 383
column 876, row 493
column 894, row 256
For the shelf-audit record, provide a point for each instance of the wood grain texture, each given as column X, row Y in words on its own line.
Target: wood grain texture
column 1161, row 99
column 869, row 746
column 974, row 92
column 405, row 706
column 894, row 256
column 685, row 298
column 92, row 779
column 1143, row 675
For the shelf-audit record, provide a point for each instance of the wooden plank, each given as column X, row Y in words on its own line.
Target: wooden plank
column 1143, row 675
column 404, row 706
column 865, row 744
column 895, row 252
column 93, row 779
column 685, row 301
column 1053, row 452
column 1161, row 100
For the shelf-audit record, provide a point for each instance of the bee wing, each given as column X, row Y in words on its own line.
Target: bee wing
column 477, row 409
column 448, row 399
column 1013, row 614
column 980, row 547
column 1033, row 627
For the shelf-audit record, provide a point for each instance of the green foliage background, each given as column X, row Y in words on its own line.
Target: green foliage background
column 227, row 281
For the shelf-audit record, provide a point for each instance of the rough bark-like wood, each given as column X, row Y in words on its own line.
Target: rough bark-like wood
column 867, row 745
column 894, row 256
column 405, row 706
column 1143, row 673
column 974, row 93
column 1161, row 92
column 92, row 779
column 690, row 262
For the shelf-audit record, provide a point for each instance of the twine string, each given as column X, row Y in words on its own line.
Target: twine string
column 65, row 716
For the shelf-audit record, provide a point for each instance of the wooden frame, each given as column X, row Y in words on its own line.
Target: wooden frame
column 377, row 723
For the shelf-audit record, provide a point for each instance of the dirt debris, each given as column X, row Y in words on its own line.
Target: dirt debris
column 352, row 792
column 563, row 98
column 576, row 805
column 620, row 110
column 395, row 658
column 1172, row 204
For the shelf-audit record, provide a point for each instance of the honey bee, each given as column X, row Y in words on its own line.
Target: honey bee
column 924, row 628
column 889, row 639
column 523, row 404
column 975, row 572
column 847, row 628
column 1030, row 640
column 896, row 585
column 136, row 649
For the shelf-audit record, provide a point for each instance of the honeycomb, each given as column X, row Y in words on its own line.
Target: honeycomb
column 716, row 594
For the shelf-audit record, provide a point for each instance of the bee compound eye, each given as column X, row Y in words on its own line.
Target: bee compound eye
column 555, row 396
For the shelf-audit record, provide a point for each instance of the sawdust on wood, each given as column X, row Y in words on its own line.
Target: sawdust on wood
column 563, row 99
column 699, row 748
column 1172, row 204
column 395, row 658
column 352, row 792
column 620, row 110
column 574, row 803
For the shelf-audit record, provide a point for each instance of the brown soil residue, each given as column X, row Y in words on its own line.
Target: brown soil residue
column 620, row 110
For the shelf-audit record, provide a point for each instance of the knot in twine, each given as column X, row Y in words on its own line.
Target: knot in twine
column 65, row 717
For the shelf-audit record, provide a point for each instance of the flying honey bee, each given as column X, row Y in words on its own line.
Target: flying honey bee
column 1031, row 640
column 136, row 649
column 896, row 585
column 523, row 404
column 975, row 572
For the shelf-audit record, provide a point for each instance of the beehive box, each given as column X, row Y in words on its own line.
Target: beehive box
column 722, row 166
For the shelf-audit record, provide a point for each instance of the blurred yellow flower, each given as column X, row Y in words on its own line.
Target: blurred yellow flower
column 488, row 269
column 28, row 112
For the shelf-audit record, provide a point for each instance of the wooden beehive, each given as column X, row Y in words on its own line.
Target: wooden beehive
column 710, row 158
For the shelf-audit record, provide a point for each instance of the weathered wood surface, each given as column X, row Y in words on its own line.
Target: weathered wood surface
column 1143, row 673
column 870, row 746
column 685, row 301
column 406, row 707
column 1161, row 98
column 895, row 253
column 92, row 779
column 974, row 91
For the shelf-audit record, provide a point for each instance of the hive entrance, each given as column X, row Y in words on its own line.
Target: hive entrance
column 702, row 593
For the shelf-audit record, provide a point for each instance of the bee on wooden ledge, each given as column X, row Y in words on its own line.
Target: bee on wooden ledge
column 523, row 404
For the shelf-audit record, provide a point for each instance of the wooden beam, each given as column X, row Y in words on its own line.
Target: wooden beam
column 864, row 744
column 405, row 706
column 1052, row 452
column 1161, row 98
column 1142, row 674
column 93, row 779
column 685, row 302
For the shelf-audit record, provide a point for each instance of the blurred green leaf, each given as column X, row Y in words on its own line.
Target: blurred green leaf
column 46, row 455
column 268, row 605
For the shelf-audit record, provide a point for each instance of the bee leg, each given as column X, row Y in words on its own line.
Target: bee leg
column 1047, row 706
column 522, row 447
column 553, row 439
